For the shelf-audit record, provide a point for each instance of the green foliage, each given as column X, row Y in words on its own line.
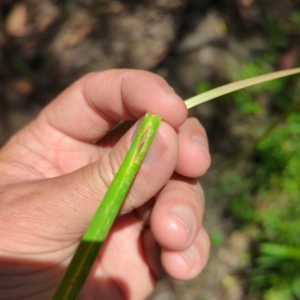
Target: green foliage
column 266, row 195
column 241, row 207
column 268, row 191
column 203, row 86
column 245, row 99
column 246, row 105
column 216, row 239
column 296, row 19
column 273, row 207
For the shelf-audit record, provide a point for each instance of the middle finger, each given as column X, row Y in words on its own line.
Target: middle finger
column 177, row 214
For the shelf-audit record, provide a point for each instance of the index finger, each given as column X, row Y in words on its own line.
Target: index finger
column 93, row 105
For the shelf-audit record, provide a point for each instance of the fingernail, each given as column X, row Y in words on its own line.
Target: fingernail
column 155, row 150
column 185, row 216
column 200, row 142
column 191, row 255
column 170, row 91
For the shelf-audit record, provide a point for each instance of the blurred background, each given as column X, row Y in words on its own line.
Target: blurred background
column 253, row 187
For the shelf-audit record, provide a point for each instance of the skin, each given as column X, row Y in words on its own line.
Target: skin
column 54, row 172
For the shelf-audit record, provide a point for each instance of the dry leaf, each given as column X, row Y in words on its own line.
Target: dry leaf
column 16, row 22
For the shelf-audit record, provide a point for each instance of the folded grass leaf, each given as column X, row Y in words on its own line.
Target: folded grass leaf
column 104, row 217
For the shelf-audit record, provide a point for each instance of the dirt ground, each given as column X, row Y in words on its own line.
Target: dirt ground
column 45, row 45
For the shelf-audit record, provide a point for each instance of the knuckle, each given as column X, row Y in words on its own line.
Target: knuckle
column 105, row 170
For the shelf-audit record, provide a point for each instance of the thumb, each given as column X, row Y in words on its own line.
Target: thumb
column 59, row 209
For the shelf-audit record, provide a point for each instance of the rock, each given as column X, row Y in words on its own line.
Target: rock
column 142, row 38
column 70, row 46
column 115, row 36
column 209, row 29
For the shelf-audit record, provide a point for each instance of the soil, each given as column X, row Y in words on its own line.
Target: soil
column 45, row 45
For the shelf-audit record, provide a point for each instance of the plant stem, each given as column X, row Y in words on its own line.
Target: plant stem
column 234, row 86
column 104, row 217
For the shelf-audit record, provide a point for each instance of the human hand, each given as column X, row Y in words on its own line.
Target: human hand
column 54, row 173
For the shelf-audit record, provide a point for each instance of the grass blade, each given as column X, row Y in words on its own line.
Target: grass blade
column 104, row 217
column 231, row 87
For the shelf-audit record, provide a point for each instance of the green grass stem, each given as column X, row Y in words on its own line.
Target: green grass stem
column 104, row 217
